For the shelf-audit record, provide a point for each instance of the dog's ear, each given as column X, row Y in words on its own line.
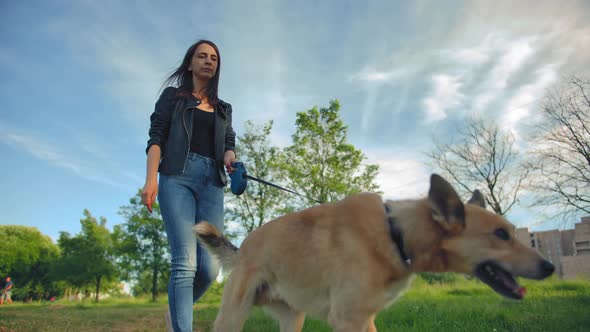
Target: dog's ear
column 477, row 199
column 447, row 208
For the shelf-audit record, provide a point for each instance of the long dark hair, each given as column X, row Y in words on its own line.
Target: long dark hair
column 183, row 78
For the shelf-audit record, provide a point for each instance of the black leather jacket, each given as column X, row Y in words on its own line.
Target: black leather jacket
column 172, row 126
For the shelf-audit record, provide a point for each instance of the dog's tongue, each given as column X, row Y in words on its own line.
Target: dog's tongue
column 513, row 285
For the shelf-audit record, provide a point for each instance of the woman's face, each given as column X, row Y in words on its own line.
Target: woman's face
column 204, row 62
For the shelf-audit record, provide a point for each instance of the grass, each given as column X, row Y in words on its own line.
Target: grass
column 464, row 305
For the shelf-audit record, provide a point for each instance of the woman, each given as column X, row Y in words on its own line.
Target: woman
column 191, row 139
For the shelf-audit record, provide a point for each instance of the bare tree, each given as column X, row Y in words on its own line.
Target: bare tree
column 561, row 150
column 484, row 159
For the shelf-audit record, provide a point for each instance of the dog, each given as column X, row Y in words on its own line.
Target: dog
column 344, row 262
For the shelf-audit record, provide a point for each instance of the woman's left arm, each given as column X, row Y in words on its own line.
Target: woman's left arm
column 230, row 141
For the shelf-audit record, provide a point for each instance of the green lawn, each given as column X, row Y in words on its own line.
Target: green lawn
column 463, row 306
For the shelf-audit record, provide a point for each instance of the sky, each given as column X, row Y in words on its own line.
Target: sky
column 79, row 79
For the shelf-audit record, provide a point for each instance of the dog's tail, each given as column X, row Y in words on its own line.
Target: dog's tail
column 217, row 244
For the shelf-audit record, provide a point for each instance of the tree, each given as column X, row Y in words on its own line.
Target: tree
column 259, row 203
column 561, row 152
column 484, row 159
column 144, row 284
column 87, row 258
column 26, row 255
column 321, row 163
column 141, row 244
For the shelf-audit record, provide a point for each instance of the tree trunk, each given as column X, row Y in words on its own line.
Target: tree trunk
column 97, row 287
column 154, row 284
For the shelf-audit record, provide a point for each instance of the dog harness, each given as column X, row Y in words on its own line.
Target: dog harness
column 396, row 236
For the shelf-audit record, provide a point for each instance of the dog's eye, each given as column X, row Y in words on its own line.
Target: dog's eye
column 502, row 234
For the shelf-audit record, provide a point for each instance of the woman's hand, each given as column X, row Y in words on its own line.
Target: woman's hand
column 229, row 158
column 149, row 193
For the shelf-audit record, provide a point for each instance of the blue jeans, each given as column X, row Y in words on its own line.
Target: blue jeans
column 185, row 200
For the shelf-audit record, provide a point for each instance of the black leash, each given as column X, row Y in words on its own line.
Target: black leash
column 279, row 187
column 239, row 181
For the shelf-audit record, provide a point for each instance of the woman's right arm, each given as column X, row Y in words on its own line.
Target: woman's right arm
column 150, row 188
column 159, row 129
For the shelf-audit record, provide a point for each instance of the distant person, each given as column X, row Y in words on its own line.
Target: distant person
column 6, row 291
column 191, row 140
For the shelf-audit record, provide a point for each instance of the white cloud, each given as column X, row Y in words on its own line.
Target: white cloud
column 369, row 107
column 373, row 82
column 129, row 68
column 471, row 55
column 526, row 98
column 371, row 74
column 445, row 96
column 512, row 57
column 401, row 175
column 516, row 53
column 274, row 99
column 52, row 153
column 134, row 177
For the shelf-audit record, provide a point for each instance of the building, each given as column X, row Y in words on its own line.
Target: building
column 582, row 238
column 568, row 250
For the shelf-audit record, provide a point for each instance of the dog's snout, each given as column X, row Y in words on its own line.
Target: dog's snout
column 546, row 268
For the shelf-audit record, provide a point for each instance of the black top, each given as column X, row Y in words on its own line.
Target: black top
column 202, row 136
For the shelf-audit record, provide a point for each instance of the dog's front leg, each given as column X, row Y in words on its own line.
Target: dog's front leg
column 352, row 323
column 289, row 320
column 372, row 327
